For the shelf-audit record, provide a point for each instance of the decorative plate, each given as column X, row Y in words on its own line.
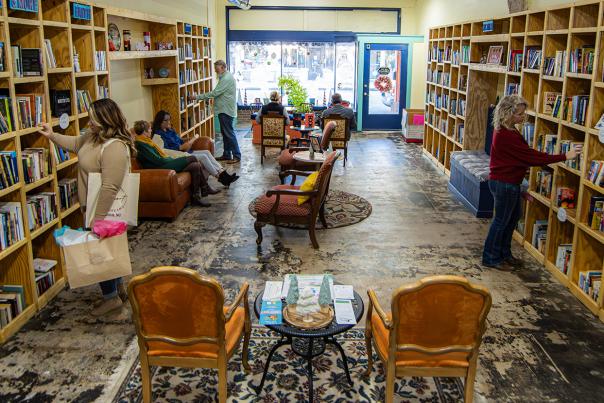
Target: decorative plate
column 163, row 72
column 315, row 320
column 115, row 38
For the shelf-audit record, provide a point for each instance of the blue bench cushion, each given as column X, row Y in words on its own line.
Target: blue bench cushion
column 469, row 181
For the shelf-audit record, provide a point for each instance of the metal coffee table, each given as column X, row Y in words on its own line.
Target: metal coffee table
column 309, row 343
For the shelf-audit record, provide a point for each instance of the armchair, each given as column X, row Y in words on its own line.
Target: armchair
column 339, row 138
column 435, row 329
column 286, row 158
column 181, row 321
column 273, row 132
column 280, row 204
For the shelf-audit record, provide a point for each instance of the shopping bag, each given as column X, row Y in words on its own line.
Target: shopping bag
column 97, row 260
column 125, row 205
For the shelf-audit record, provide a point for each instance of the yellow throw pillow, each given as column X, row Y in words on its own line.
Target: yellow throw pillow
column 308, row 185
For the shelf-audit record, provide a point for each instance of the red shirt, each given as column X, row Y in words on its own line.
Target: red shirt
column 511, row 156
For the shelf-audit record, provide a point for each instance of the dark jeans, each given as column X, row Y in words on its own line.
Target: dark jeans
column 109, row 287
column 508, row 209
column 229, row 140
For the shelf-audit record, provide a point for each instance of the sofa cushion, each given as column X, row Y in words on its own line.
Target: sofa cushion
column 475, row 163
column 288, row 204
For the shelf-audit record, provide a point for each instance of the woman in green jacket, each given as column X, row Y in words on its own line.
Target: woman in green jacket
column 151, row 156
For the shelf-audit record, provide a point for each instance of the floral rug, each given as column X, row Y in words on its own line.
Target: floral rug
column 341, row 209
column 287, row 379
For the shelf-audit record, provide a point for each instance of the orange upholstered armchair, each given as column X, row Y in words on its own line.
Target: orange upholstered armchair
column 435, row 329
column 280, row 204
column 286, row 159
column 181, row 321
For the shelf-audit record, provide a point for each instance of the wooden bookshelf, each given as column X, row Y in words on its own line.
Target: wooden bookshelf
column 54, row 22
column 558, row 29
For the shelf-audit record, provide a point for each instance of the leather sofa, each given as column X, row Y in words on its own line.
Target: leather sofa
column 164, row 193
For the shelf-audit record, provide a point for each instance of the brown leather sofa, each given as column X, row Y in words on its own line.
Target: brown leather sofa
column 164, row 193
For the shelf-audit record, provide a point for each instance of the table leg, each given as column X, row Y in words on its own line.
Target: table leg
column 280, row 343
column 333, row 341
column 309, row 358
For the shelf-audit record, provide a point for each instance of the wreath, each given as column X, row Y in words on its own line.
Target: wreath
column 383, row 84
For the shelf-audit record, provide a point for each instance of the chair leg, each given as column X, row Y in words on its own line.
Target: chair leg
column 313, row 236
column 345, row 155
column 389, row 383
column 322, row 215
column 222, row 383
column 469, row 382
column 261, row 155
column 258, row 227
column 146, row 378
column 369, row 351
column 246, row 346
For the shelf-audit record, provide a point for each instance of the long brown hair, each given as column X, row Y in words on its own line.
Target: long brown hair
column 106, row 114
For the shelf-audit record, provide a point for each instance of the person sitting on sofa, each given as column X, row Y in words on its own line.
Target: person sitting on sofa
column 273, row 106
column 151, row 156
column 167, row 138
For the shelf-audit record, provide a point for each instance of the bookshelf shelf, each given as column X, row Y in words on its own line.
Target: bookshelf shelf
column 60, row 70
column 85, row 73
column 11, row 249
column 70, row 210
column 52, row 292
column 31, row 186
column 142, row 54
column 22, row 21
column 57, row 24
column 10, row 189
column 39, row 231
column 68, row 163
column 559, row 73
column 26, row 80
column 159, row 81
column 17, row 323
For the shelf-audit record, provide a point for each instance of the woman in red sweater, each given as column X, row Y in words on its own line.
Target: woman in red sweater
column 511, row 156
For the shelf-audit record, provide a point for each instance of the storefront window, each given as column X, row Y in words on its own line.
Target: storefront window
column 257, row 67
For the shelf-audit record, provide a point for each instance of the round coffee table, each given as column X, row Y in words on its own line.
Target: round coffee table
column 305, row 131
column 304, row 156
column 309, row 343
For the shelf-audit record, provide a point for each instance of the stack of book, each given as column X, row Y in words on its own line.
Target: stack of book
column 582, row 60
column 11, row 224
column 575, row 109
column 100, row 60
column 594, row 216
column 596, row 173
column 539, row 235
column 566, row 146
column 61, row 155
column 554, row 66
column 12, row 303
column 9, row 172
column 84, row 101
column 516, row 57
column 68, row 192
column 51, row 62
column 7, row 121
column 565, row 197
column 44, row 274
column 36, row 164
column 31, row 110
column 532, row 59
column 41, row 209
column 547, row 143
column 103, row 91
column 528, row 132
column 563, row 256
column 544, row 183
column 590, row 282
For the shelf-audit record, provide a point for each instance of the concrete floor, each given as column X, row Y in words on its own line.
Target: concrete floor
column 541, row 343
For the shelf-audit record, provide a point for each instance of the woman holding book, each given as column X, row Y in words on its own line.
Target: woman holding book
column 511, row 156
column 105, row 147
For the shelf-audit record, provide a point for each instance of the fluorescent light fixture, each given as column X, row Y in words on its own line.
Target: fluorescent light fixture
column 242, row 4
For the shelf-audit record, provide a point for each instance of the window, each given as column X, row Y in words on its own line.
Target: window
column 322, row 67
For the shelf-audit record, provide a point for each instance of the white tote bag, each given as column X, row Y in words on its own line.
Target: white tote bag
column 125, row 205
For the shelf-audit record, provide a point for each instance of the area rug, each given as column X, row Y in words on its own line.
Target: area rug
column 287, row 379
column 341, row 209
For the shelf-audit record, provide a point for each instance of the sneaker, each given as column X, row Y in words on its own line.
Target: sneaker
column 107, row 306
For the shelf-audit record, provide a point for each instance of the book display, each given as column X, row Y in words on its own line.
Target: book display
column 39, row 82
column 554, row 58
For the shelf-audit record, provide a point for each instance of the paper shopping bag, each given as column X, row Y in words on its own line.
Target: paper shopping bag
column 97, row 260
column 125, row 204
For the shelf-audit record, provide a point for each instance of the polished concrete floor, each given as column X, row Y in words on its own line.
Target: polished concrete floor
column 541, row 343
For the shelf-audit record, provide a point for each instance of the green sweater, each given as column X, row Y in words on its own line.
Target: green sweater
column 225, row 95
column 150, row 158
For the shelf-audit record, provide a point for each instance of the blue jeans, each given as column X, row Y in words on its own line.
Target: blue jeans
column 109, row 287
column 229, row 140
column 508, row 209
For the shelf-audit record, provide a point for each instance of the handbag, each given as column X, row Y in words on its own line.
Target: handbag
column 97, row 260
column 125, row 205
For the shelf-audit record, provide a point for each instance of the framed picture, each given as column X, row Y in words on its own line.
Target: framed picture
column 314, row 142
column 495, row 53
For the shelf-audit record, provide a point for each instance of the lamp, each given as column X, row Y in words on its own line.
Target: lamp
column 242, row 4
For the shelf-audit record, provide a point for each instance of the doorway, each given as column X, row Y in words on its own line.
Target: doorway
column 384, row 86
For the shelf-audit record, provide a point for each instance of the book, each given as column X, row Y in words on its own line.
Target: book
column 17, row 67
column 563, row 256
column 44, row 265
column 51, row 62
column 595, row 203
column 539, row 233
column 565, row 197
column 11, row 224
column 16, row 289
column 271, row 312
column 31, row 62
column 2, row 57
column 60, row 102
column 549, row 100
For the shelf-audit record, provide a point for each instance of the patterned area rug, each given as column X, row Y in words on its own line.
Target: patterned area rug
column 287, row 379
column 341, row 209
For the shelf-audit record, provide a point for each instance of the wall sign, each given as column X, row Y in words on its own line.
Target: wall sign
column 81, row 11
column 384, row 71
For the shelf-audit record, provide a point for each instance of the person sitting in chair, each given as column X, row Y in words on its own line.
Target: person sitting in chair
column 273, row 106
column 337, row 108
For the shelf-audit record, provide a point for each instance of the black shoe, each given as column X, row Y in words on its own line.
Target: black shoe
column 512, row 261
column 224, row 178
column 199, row 201
column 223, row 158
column 233, row 161
column 234, row 177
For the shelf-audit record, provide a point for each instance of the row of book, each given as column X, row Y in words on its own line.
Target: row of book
column 539, row 235
column 103, row 91
column 581, row 60
column 563, row 256
column 51, row 61
column 187, row 76
column 31, row 111
column 546, row 143
column 68, row 192
column 574, row 108
column 515, row 62
column 595, row 216
column 590, row 282
column 27, row 62
column 44, row 274
column 11, row 224
column 544, row 183
column 459, row 133
column 84, row 100
column 512, row 88
column 100, row 60
column 12, row 303
column 528, row 133
column 596, row 172
column 36, row 164
column 9, row 172
column 554, row 66
column 532, row 57
column 7, row 122
column 566, row 146
column 60, row 154
column 462, row 82
column 185, row 52
column 41, row 209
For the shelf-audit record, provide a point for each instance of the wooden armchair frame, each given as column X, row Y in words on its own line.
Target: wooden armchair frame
column 392, row 324
column 337, row 141
column 222, row 316
column 271, row 140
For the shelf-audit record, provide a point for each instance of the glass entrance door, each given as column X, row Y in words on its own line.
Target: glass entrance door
column 384, row 86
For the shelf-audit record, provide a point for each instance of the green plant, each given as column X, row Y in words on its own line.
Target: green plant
column 296, row 93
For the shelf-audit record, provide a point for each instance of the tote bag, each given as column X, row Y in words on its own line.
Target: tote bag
column 125, row 205
column 97, row 260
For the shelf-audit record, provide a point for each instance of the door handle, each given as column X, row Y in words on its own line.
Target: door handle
column 365, row 94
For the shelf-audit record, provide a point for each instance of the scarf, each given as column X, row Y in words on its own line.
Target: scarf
column 146, row 140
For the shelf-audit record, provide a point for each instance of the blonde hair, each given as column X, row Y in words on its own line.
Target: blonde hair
column 505, row 109
column 274, row 96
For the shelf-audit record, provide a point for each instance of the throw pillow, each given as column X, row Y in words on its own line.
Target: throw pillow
column 307, row 185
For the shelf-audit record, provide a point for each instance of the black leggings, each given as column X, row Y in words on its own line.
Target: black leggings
column 198, row 181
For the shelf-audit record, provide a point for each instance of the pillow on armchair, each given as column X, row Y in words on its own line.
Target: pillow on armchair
column 308, row 185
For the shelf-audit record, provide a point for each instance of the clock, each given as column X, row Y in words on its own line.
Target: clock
column 115, row 39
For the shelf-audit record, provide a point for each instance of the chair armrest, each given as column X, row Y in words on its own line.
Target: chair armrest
column 241, row 297
column 289, row 172
column 292, row 192
column 157, row 185
column 295, row 149
column 378, row 309
column 203, row 143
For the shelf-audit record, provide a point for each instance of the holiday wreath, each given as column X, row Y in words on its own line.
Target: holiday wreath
column 383, row 83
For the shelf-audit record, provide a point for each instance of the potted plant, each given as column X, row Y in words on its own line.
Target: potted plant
column 296, row 94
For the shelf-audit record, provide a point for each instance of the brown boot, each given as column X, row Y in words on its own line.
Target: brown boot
column 107, row 306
